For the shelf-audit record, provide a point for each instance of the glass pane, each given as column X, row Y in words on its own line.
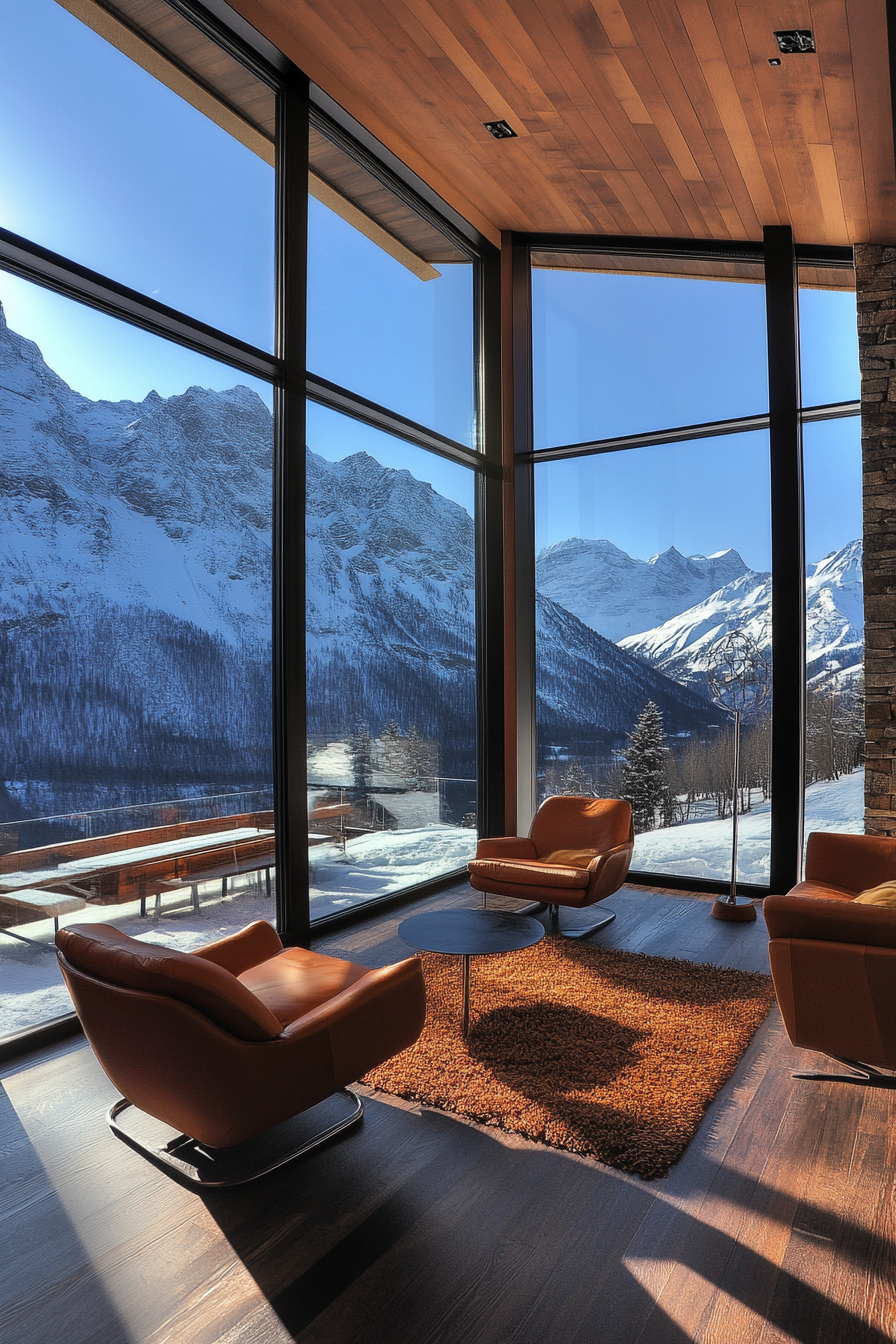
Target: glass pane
column 653, row 565
column 829, row 343
column 391, row 664
column 104, row 164
column 835, row 628
column 136, row 572
column 379, row 328
column 617, row 354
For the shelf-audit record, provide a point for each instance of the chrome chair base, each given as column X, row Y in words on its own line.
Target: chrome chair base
column 202, row 1167
column 549, row 916
column 865, row 1075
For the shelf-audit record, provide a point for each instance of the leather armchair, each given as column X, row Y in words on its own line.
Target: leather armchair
column 228, row 1041
column 833, row 961
column 577, row 853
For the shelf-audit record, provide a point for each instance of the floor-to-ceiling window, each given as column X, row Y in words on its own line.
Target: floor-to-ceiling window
column 135, row 561
column 654, row 556
column 393, row 440
column 653, row 547
column 151, row 405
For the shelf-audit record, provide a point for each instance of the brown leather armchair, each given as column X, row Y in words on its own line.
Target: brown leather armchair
column 577, row 853
column 228, row 1041
column 833, row 961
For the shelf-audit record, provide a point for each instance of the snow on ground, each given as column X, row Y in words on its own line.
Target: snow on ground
column 703, row 848
column 375, row 865
column 31, row 989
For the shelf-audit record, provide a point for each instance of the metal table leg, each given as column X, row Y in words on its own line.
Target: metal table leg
column 466, row 1010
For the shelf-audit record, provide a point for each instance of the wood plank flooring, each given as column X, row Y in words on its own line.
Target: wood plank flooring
column 778, row 1224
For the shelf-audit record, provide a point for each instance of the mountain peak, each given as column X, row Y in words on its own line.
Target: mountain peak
column 619, row 596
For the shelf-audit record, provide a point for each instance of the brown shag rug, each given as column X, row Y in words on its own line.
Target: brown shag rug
column 612, row 1054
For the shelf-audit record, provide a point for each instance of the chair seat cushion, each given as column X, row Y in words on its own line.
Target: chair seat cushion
column 295, row 981
column 569, row 858
column 530, row 873
column 823, row 890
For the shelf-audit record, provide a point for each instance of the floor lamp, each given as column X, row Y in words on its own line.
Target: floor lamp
column 737, row 675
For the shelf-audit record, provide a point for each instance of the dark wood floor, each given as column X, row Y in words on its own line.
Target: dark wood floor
column 778, row 1224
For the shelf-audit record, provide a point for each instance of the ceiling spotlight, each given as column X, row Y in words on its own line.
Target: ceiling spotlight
column 500, row 130
column 774, row 60
column 795, row 40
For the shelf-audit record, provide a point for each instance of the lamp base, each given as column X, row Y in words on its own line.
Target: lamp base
column 740, row 911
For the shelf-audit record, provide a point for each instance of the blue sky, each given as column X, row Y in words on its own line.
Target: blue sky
column 104, row 164
column 101, row 162
column 622, row 354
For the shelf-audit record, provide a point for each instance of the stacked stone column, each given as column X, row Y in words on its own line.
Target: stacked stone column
column 876, row 296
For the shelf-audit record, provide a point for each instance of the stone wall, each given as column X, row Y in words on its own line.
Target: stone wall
column 876, row 295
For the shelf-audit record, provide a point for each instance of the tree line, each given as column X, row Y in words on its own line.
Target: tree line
column 670, row 783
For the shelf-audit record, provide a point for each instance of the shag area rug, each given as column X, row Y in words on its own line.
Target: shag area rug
column 612, row 1054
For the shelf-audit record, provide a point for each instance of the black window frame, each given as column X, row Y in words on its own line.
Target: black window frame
column 780, row 259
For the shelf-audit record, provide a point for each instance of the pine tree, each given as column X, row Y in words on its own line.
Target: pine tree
column 392, row 749
column 359, row 751
column 644, row 774
column 420, row 763
column 575, row 781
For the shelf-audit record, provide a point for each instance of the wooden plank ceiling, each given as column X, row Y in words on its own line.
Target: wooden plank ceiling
column 646, row 117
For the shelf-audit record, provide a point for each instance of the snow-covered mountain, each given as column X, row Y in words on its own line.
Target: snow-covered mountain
column 390, row 603
column 619, row 596
column 834, row 620
column 835, row 614
column 135, row 562
column 668, row 610
column 164, row 503
column 590, row 691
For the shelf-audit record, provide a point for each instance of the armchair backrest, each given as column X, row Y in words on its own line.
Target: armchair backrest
column 854, row 862
column 106, row 954
column 570, row 822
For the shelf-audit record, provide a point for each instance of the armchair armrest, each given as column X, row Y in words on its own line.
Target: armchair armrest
column 240, row 951
column 506, row 847
column 377, row 1016
column 600, row 860
column 812, row 917
column 609, row 870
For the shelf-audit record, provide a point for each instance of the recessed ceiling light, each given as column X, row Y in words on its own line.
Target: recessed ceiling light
column 500, row 130
column 795, row 40
column 774, row 60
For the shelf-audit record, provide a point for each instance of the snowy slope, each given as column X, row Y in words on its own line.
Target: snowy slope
column 703, row 848
column 619, row 596
column 591, row 690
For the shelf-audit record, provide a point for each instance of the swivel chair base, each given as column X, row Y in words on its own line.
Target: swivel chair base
column 866, row 1075
column 202, row 1167
column 549, row 916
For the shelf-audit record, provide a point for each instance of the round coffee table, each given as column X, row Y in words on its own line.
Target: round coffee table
column 469, row 933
